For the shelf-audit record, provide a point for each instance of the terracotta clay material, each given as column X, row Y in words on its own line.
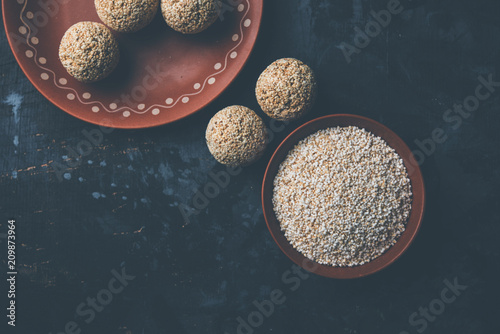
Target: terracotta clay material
column 163, row 76
column 414, row 173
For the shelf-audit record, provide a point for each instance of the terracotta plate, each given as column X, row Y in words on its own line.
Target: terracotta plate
column 416, row 179
column 163, row 76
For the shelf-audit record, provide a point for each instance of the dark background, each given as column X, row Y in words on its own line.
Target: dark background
column 200, row 276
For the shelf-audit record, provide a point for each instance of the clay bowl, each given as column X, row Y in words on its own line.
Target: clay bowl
column 415, row 175
column 163, row 76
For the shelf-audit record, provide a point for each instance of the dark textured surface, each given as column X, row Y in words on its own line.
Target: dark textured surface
column 200, row 276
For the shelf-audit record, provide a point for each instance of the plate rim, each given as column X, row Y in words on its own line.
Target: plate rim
column 105, row 121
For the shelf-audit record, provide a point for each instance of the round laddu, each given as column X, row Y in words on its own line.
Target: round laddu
column 286, row 90
column 236, row 136
column 190, row 16
column 89, row 51
column 126, row 15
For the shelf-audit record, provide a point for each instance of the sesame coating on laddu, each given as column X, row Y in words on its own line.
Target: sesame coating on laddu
column 190, row 16
column 236, row 136
column 89, row 51
column 126, row 15
column 286, row 90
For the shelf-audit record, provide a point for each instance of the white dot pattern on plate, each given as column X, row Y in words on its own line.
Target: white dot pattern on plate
column 33, row 41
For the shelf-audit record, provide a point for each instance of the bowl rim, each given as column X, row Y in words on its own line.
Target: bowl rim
column 418, row 199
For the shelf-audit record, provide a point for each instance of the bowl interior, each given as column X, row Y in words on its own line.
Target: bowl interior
column 414, row 173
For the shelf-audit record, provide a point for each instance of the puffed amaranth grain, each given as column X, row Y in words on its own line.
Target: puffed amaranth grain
column 286, row 90
column 89, row 51
column 127, row 15
column 236, row 136
column 190, row 16
column 342, row 196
